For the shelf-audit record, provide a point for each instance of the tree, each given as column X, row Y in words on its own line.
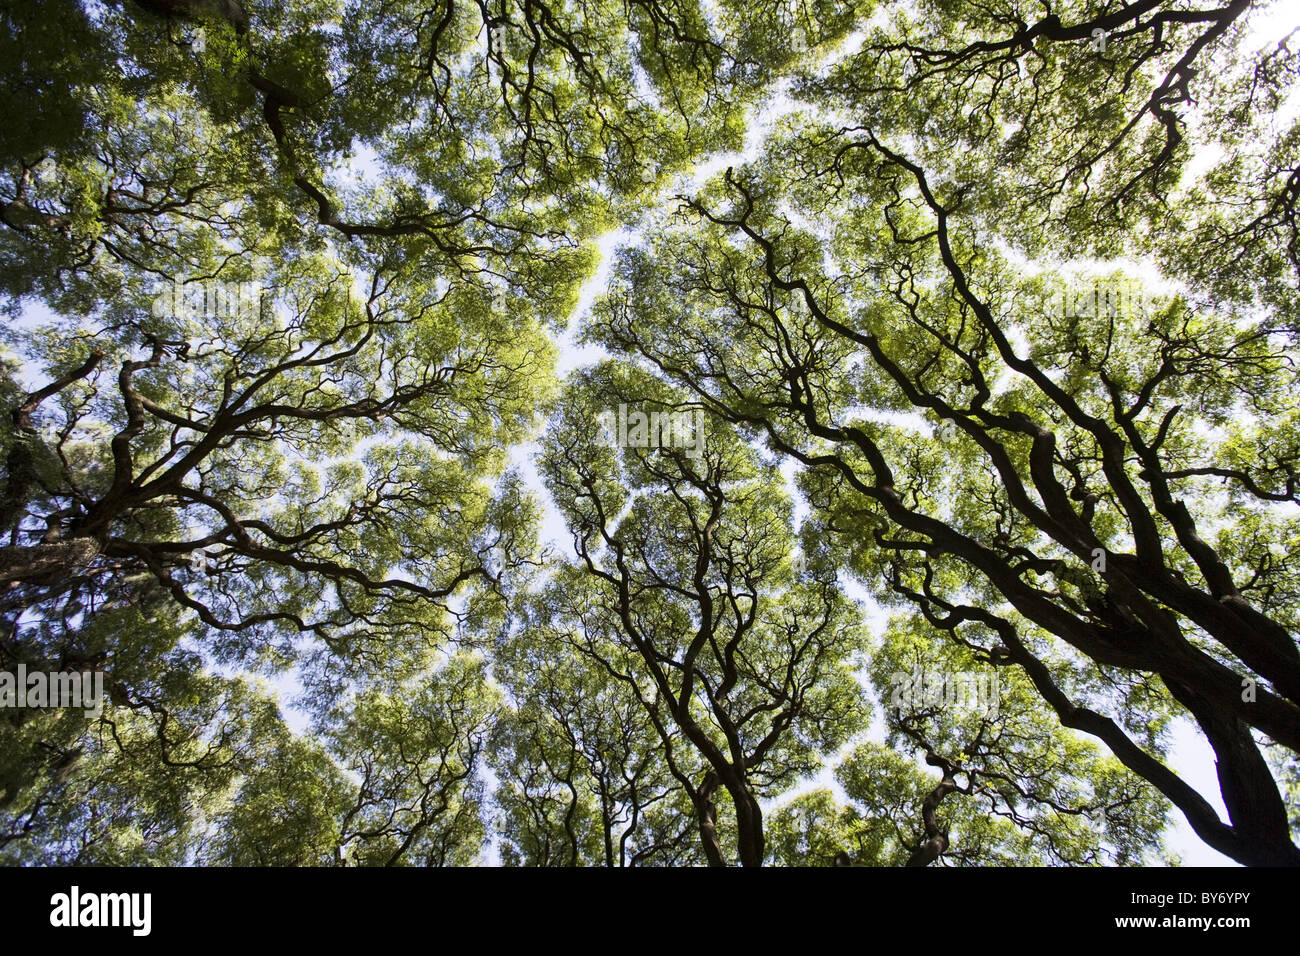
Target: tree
column 300, row 259
column 1015, row 788
column 201, row 770
column 684, row 596
column 287, row 279
column 1060, row 538
column 582, row 776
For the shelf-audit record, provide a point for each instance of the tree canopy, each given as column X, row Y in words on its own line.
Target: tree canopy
column 913, row 469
